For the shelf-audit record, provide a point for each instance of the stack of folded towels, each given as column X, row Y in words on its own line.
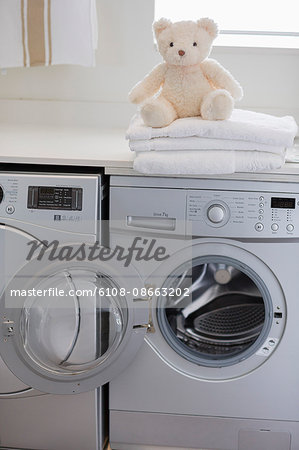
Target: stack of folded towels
column 247, row 142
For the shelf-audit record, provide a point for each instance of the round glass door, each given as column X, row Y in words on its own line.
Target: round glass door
column 219, row 314
column 69, row 327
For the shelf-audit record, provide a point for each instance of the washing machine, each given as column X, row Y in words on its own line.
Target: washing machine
column 62, row 336
column 218, row 368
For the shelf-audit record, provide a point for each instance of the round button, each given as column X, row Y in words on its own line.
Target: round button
column 274, row 227
column 290, row 227
column 261, row 199
column 261, row 211
column 216, row 213
column 259, row 226
column 261, row 217
column 261, row 205
column 10, row 209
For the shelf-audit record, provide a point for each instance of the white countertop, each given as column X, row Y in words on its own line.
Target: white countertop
column 31, row 144
column 83, row 146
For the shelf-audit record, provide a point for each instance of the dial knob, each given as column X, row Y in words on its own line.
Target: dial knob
column 1, row 194
column 216, row 213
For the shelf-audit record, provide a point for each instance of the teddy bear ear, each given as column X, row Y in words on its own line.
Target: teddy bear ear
column 161, row 25
column 209, row 25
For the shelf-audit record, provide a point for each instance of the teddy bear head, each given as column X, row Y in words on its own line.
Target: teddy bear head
column 185, row 43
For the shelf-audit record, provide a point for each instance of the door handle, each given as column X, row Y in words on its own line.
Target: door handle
column 152, row 223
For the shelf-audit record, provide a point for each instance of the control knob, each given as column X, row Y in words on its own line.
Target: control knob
column 216, row 213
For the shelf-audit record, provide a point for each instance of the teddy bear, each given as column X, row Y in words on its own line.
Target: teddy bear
column 187, row 83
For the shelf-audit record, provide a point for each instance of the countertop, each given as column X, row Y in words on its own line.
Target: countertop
column 83, row 146
column 75, row 146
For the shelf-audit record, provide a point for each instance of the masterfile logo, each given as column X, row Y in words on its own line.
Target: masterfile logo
column 141, row 249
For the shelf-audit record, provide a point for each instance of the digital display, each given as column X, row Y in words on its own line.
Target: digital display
column 279, row 202
column 46, row 190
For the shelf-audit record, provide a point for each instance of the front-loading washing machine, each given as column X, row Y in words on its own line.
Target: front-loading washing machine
column 219, row 365
column 62, row 331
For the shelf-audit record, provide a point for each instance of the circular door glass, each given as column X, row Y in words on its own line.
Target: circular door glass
column 218, row 311
column 70, row 325
column 73, row 326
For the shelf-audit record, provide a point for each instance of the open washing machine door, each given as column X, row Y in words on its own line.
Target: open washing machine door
column 12, row 258
column 222, row 313
column 71, row 325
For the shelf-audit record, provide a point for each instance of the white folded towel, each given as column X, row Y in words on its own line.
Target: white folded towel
column 243, row 125
column 292, row 154
column 47, row 32
column 198, row 143
column 206, row 162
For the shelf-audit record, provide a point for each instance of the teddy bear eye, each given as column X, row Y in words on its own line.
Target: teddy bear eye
column 194, row 44
column 171, row 44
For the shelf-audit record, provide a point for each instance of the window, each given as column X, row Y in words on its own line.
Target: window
column 253, row 23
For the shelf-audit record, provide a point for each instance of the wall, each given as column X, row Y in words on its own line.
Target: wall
column 126, row 52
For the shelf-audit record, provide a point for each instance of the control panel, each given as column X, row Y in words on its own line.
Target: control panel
column 243, row 214
column 54, row 197
column 68, row 202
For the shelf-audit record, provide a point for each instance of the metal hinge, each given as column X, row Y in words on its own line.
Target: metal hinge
column 149, row 326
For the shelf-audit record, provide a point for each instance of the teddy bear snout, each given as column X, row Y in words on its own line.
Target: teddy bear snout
column 181, row 52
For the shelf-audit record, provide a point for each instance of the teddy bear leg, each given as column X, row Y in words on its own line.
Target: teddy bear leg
column 158, row 112
column 217, row 105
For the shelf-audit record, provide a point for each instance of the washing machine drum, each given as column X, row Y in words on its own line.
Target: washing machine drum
column 221, row 318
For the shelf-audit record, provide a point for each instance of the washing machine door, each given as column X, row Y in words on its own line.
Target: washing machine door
column 13, row 251
column 221, row 311
column 70, row 323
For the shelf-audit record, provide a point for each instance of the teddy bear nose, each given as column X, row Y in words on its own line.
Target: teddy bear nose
column 181, row 52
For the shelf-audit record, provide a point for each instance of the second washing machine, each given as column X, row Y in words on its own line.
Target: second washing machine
column 218, row 368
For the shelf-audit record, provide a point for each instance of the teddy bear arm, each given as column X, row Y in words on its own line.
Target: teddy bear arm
column 222, row 78
column 147, row 87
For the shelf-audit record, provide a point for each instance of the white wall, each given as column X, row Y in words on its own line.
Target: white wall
column 126, row 52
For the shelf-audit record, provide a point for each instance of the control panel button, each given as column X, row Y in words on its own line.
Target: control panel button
column 261, row 211
column 10, row 209
column 216, row 213
column 290, row 227
column 274, row 227
column 261, row 205
column 261, row 217
column 261, row 199
column 259, row 226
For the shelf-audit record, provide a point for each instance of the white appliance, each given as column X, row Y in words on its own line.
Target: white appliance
column 219, row 365
column 58, row 334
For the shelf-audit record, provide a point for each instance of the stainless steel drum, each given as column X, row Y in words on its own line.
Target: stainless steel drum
column 221, row 318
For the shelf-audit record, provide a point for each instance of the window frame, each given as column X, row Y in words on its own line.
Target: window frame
column 255, row 39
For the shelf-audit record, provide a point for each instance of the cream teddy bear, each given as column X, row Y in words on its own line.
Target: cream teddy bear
column 187, row 83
